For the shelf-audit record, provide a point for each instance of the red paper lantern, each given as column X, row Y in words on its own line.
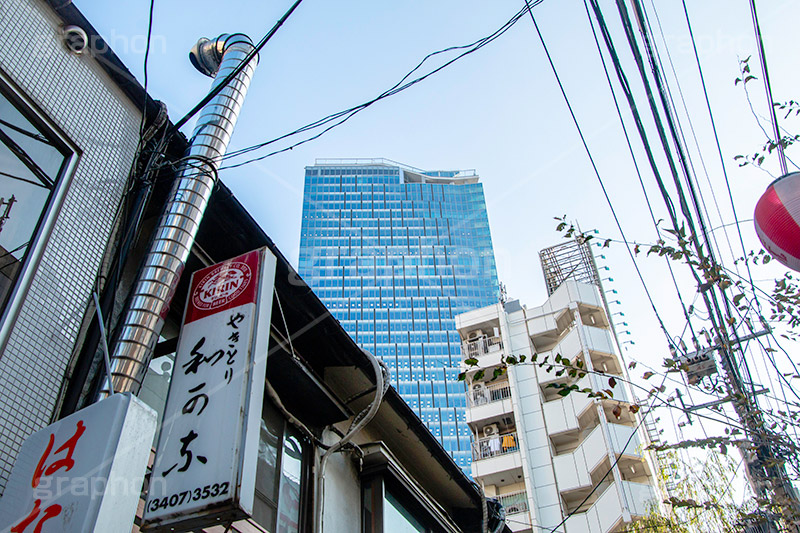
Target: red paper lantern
column 777, row 220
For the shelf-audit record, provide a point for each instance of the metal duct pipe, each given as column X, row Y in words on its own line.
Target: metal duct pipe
column 175, row 234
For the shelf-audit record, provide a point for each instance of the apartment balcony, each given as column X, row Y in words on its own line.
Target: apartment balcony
column 604, row 513
column 640, row 497
column 599, row 343
column 496, row 459
column 487, row 350
column 518, row 517
column 574, row 470
column 488, row 401
column 561, row 415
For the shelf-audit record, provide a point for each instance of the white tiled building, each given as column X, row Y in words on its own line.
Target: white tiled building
column 543, row 454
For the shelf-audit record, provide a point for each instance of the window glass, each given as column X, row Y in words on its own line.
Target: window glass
column 30, row 166
column 397, row 519
column 280, row 474
column 291, row 478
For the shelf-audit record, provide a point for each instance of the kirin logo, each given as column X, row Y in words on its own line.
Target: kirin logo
column 222, row 285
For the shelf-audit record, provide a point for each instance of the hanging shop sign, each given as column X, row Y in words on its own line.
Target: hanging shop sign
column 205, row 465
column 84, row 473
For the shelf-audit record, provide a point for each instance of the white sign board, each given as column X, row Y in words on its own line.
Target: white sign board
column 206, row 457
column 84, row 473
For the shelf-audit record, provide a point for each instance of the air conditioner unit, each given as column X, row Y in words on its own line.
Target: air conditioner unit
column 474, row 334
column 491, row 430
column 480, row 394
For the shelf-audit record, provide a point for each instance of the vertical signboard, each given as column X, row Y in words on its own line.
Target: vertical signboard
column 82, row 474
column 205, row 463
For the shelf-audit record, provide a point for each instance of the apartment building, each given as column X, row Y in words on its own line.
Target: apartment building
column 557, row 463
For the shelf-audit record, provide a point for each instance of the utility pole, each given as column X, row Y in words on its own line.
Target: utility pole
column 7, row 213
column 765, row 453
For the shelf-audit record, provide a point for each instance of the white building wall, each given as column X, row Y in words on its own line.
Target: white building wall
column 547, row 476
column 342, row 495
column 537, row 455
column 75, row 94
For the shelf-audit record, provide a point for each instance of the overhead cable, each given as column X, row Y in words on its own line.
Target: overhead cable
column 768, row 87
column 336, row 119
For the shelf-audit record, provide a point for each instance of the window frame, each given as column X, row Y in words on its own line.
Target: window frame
column 382, row 471
column 44, row 227
column 305, row 515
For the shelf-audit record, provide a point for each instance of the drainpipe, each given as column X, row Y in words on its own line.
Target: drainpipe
column 174, row 236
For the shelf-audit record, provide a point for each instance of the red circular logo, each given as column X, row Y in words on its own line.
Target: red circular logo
column 222, row 285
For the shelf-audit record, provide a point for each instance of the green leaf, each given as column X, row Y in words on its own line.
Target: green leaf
column 564, row 392
column 511, row 360
column 471, row 361
column 462, row 376
column 479, row 374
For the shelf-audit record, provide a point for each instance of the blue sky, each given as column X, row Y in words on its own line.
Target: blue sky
column 498, row 111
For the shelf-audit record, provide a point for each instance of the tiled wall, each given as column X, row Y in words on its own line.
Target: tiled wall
column 74, row 93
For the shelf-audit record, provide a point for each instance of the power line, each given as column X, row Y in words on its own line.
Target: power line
column 225, row 81
column 679, row 126
column 635, row 162
column 596, row 171
column 716, row 136
column 768, row 87
column 340, row 117
column 144, row 69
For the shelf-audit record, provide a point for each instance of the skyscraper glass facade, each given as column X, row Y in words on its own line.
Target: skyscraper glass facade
column 395, row 253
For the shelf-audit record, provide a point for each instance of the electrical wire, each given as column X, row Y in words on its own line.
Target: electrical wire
column 635, row 162
column 596, row 171
column 768, row 87
column 613, row 466
column 716, row 136
column 235, row 72
column 689, row 121
column 144, row 69
column 709, row 297
column 340, row 117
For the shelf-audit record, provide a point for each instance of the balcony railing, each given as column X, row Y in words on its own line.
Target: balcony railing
column 495, row 445
column 494, row 392
column 480, row 346
column 516, row 502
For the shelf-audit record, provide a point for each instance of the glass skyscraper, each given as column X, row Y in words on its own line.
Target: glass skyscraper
column 395, row 253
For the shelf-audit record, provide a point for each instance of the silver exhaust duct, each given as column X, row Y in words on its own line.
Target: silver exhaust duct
column 175, row 234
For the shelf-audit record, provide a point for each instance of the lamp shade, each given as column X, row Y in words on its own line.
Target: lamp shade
column 777, row 220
